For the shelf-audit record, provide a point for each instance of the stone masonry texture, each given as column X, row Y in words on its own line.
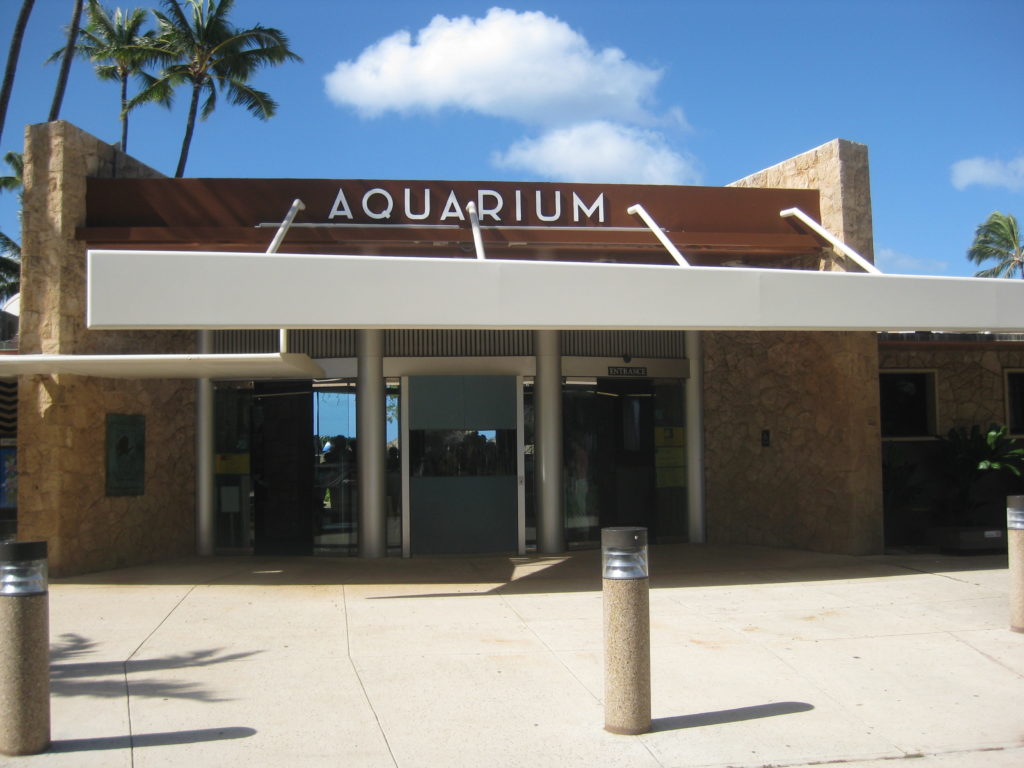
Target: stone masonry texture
column 61, row 419
column 970, row 380
column 839, row 170
column 818, row 484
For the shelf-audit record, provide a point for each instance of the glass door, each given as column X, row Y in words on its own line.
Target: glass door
column 281, row 474
column 336, row 468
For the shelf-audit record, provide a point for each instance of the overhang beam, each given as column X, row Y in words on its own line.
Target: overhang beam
column 209, row 290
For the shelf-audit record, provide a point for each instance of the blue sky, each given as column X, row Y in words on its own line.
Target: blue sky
column 650, row 91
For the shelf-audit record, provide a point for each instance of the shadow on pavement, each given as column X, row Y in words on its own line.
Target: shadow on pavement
column 81, row 678
column 672, row 565
column 168, row 738
column 721, row 717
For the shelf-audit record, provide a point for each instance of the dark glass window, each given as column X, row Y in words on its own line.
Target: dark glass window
column 1015, row 401
column 462, row 452
column 907, row 403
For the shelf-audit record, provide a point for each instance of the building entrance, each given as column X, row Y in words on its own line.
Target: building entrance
column 625, row 457
column 469, row 477
column 282, row 475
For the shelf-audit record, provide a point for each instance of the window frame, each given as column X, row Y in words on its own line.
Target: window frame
column 931, row 404
column 1007, row 405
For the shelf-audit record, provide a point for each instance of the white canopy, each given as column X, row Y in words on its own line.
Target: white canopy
column 212, row 290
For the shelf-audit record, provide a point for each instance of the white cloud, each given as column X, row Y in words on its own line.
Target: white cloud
column 601, row 152
column 989, row 173
column 893, row 262
column 528, row 67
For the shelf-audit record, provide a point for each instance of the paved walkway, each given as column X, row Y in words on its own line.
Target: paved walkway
column 759, row 657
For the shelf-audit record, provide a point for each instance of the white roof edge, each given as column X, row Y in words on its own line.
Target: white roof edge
column 224, row 290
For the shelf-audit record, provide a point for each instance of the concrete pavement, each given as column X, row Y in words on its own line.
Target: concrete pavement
column 759, row 657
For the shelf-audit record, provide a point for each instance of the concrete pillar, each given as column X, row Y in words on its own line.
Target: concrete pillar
column 697, row 522
column 547, row 410
column 1015, row 550
column 24, row 651
column 627, row 630
column 371, row 443
column 205, row 505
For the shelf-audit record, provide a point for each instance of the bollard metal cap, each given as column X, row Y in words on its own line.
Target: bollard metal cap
column 624, row 552
column 22, row 551
column 23, row 568
column 624, row 537
column 1015, row 513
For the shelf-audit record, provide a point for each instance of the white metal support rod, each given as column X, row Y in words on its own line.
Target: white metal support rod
column 297, row 205
column 638, row 210
column 834, row 241
column 474, row 222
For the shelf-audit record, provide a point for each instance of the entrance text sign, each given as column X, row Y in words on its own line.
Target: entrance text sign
column 235, row 214
column 622, row 370
column 417, row 205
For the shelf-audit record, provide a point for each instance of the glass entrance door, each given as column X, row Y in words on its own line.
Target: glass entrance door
column 281, row 472
column 463, row 484
column 336, row 468
column 625, row 457
column 335, row 471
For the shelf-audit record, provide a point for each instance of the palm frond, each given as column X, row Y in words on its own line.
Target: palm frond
column 256, row 103
column 205, row 49
column 998, row 239
column 10, row 252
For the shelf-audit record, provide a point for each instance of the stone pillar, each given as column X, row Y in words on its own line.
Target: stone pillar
column 816, row 392
column 371, row 443
column 62, row 496
column 547, row 409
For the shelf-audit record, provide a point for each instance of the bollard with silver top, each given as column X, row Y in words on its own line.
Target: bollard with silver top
column 24, row 648
column 1015, row 553
column 627, row 630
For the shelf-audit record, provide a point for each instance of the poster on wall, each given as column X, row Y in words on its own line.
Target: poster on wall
column 126, row 454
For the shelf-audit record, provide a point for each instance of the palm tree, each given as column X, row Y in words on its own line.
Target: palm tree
column 65, row 62
column 12, row 60
column 998, row 239
column 10, row 251
column 210, row 54
column 114, row 42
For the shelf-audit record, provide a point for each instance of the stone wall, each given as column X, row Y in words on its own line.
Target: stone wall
column 818, row 485
column 969, row 379
column 839, row 170
column 61, row 419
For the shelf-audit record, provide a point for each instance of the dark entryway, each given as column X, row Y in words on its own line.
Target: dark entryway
column 282, row 471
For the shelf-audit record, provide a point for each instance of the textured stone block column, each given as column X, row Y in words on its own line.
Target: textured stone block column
column 24, row 649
